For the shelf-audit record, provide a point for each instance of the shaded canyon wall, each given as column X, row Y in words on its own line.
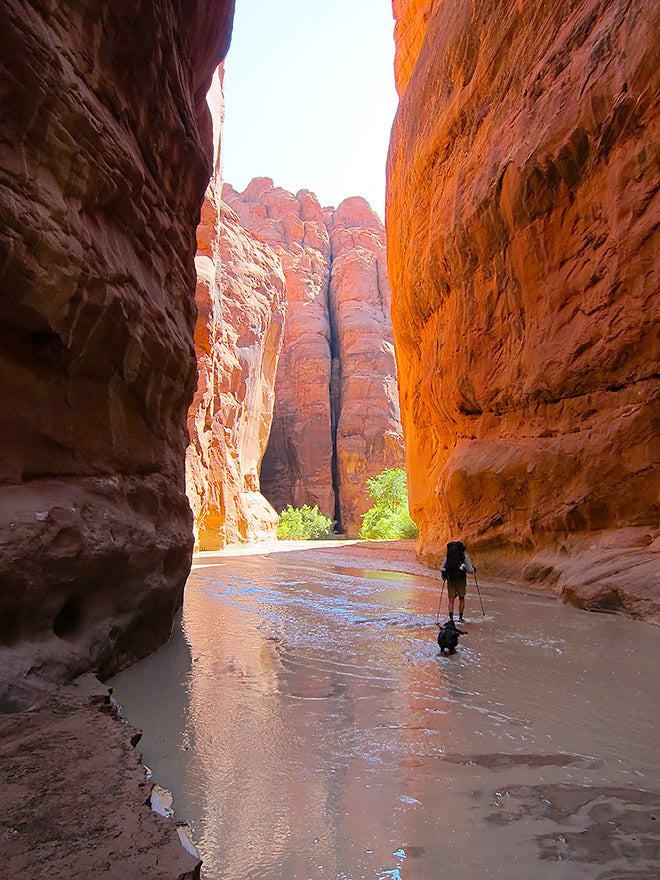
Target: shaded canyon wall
column 105, row 153
column 241, row 306
column 336, row 419
column 523, row 211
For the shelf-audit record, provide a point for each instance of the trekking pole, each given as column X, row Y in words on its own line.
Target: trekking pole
column 437, row 617
column 479, row 594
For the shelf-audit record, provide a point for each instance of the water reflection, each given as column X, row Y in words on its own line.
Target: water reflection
column 308, row 728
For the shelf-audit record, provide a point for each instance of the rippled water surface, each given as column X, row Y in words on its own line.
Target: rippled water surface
column 308, row 728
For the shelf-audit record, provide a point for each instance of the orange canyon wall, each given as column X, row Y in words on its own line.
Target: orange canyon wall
column 106, row 151
column 295, row 227
column 336, row 419
column 523, row 212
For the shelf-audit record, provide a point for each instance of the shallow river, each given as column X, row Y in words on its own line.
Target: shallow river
column 307, row 727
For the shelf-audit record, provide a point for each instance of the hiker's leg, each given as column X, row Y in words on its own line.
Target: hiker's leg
column 451, row 605
column 460, row 592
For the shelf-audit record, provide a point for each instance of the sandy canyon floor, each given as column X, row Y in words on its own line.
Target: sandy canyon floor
column 308, row 728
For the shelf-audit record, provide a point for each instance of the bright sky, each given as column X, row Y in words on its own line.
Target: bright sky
column 310, row 98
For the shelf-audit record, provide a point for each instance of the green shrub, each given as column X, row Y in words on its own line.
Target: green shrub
column 303, row 523
column 388, row 518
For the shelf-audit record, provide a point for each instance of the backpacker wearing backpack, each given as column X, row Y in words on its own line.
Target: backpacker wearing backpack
column 451, row 568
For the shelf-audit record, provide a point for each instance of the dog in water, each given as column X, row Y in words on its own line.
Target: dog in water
column 448, row 637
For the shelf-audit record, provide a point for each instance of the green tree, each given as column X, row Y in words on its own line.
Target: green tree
column 389, row 517
column 303, row 523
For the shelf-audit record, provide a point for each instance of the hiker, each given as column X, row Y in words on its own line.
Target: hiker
column 456, row 564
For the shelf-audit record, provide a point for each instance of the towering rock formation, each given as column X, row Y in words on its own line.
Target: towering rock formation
column 336, row 419
column 523, row 216
column 367, row 422
column 106, row 151
column 297, row 466
column 240, row 323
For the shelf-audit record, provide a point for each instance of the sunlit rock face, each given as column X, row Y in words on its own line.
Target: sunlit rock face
column 411, row 20
column 336, row 419
column 368, row 435
column 106, row 151
column 522, row 218
column 241, row 306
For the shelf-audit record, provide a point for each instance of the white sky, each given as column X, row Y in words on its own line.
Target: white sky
column 310, row 98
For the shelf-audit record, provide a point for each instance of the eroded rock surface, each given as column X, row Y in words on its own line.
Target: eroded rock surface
column 75, row 797
column 336, row 419
column 241, row 307
column 523, row 214
column 105, row 153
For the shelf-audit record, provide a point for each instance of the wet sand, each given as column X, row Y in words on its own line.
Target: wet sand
column 308, row 728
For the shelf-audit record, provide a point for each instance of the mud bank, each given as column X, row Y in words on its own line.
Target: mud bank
column 75, row 798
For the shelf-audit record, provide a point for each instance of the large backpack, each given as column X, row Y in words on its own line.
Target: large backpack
column 455, row 557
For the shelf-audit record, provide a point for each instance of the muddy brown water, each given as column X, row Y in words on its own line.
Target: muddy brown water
column 307, row 727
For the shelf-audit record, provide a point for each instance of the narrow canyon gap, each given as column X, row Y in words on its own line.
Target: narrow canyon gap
column 297, row 399
column 523, row 255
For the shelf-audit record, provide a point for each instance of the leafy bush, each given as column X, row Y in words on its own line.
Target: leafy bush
column 389, row 517
column 303, row 523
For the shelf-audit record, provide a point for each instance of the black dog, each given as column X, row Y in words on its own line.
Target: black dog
column 448, row 637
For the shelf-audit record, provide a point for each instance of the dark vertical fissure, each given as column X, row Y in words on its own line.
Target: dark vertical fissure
column 380, row 292
column 335, row 394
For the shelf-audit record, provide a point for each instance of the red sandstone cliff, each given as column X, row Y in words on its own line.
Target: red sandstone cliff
column 241, row 306
column 336, row 419
column 523, row 215
column 368, row 434
column 300, row 471
column 106, row 151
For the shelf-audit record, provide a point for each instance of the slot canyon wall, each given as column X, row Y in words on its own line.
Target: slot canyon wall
column 241, row 305
column 523, row 211
column 105, row 153
column 336, row 419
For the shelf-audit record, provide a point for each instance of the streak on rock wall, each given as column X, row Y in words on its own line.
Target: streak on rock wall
column 368, row 436
column 523, row 211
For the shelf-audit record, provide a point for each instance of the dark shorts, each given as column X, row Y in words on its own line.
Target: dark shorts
column 456, row 588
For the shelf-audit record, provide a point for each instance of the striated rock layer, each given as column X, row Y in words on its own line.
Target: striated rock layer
column 336, row 419
column 240, row 324
column 105, row 153
column 523, row 213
